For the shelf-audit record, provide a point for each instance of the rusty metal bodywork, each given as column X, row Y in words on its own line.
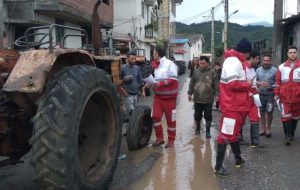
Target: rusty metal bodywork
column 25, row 85
column 33, row 67
column 8, row 59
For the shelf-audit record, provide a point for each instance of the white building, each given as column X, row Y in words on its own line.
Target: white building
column 131, row 21
column 196, row 45
column 182, row 51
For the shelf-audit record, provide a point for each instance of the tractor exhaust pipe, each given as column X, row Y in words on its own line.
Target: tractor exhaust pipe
column 96, row 28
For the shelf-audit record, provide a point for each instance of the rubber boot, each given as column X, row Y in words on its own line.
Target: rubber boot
column 208, row 126
column 198, row 125
column 159, row 135
column 254, row 135
column 219, row 169
column 294, row 123
column 235, row 147
column 242, row 141
column 287, row 132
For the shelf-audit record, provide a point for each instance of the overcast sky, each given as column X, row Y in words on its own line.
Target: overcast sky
column 249, row 11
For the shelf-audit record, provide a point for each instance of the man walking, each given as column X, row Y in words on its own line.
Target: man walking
column 288, row 93
column 234, row 103
column 165, row 95
column 132, row 81
column 204, row 86
column 194, row 65
column 265, row 76
column 253, row 109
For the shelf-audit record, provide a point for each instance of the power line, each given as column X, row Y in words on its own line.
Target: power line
column 200, row 14
column 193, row 17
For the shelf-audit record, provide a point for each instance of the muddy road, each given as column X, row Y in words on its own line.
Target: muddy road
column 189, row 165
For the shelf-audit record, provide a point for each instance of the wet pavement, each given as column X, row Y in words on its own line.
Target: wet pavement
column 189, row 165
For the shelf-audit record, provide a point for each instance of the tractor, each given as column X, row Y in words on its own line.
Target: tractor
column 63, row 105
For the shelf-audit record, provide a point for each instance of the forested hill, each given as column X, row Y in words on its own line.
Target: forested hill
column 235, row 33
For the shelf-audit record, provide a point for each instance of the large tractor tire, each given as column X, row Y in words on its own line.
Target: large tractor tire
column 77, row 130
column 139, row 128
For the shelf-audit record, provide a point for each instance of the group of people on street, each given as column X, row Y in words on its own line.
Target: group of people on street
column 244, row 91
column 239, row 90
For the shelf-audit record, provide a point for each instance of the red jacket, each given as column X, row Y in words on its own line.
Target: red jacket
column 233, row 85
column 288, row 82
column 166, row 73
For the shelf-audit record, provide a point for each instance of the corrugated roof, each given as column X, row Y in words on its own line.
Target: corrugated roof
column 181, row 41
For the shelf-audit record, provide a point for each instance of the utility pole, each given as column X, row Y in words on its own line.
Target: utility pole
column 212, row 33
column 226, row 26
column 278, row 33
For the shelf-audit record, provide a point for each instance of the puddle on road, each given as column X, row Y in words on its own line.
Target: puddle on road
column 189, row 165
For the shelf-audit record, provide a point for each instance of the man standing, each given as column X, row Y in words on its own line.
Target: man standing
column 218, row 71
column 265, row 76
column 204, row 85
column 194, row 65
column 234, row 103
column 253, row 109
column 132, row 81
column 165, row 95
column 288, row 93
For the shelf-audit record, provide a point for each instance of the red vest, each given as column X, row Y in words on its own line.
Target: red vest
column 166, row 73
column 288, row 82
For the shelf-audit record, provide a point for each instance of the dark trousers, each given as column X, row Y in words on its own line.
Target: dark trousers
column 200, row 108
column 217, row 104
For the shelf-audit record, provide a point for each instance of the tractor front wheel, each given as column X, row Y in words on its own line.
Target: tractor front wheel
column 77, row 130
